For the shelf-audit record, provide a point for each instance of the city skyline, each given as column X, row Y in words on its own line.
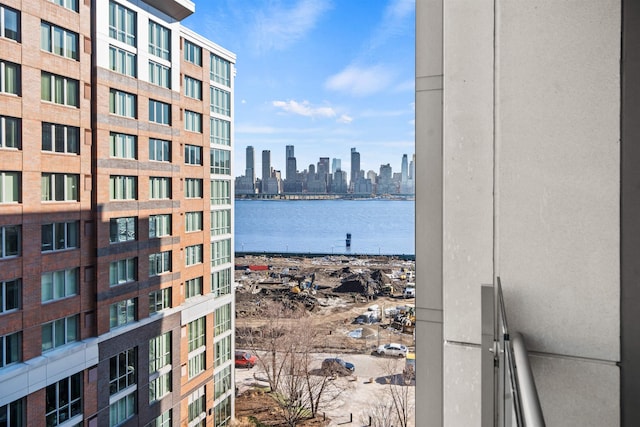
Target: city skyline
column 289, row 93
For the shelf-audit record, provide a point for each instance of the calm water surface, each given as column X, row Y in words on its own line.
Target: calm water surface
column 320, row 226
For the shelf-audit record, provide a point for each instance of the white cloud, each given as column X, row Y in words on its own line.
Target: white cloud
column 278, row 27
column 345, row 119
column 397, row 16
column 304, row 108
column 360, row 81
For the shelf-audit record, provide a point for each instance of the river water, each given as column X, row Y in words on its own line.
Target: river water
column 384, row 227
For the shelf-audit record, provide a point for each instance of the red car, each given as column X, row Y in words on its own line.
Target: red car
column 245, row 359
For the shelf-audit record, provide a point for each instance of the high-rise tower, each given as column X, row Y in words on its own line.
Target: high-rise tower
column 355, row 167
column 250, row 170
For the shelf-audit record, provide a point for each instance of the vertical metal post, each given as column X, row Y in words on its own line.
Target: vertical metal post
column 487, row 359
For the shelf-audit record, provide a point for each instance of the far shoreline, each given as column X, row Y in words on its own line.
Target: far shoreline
column 405, row 257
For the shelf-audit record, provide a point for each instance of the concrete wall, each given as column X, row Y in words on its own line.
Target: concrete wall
column 529, row 182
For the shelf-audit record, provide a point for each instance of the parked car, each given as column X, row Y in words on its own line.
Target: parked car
column 392, row 349
column 338, row 366
column 244, row 359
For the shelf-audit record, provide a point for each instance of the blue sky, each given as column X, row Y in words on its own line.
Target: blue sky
column 322, row 75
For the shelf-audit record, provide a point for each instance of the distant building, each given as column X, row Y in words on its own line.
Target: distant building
column 266, row 168
column 355, row 168
column 336, row 165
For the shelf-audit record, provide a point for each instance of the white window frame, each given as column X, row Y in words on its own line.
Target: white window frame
column 220, row 131
column 59, row 41
column 10, row 349
column 193, row 188
column 13, row 87
column 159, row 41
column 197, row 407
column 220, row 222
column 4, row 33
column 159, row 188
column 159, row 75
column 222, row 412
column 192, row 53
column 67, row 4
column 122, row 61
column 53, row 184
column 123, row 313
column 10, row 184
column 220, row 70
column 192, row 155
column 193, row 287
column 10, row 133
column 159, row 112
column 122, row 409
column 122, row 23
column 221, row 282
column 122, row 103
column 193, row 221
column 10, row 241
column 70, row 327
column 59, row 284
column 160, row 353
column 124, row 374
column 159, row 300
column 220, row 161
column 123, row 271
column 58, row 138
column 61, row 236
column 220, row 100
column 159, row 147
column 222, row 353
column 220, row 252
column 67, row 406
column 193, row 255
column 220, row 192
column 10, row 295
column 160, row 263
column 123, row 146
column 70, row 95
column 123, row 187
column 222, row 322
column 192, row 121
column 192, row 88
column 123, row 229
column 159, row 225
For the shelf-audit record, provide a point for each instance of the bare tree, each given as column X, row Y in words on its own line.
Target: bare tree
column 395, row 406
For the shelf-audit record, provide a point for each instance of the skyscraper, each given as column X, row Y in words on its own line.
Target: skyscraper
column 266, row 169
column 336, row 165
column 250, row 170
column 355, row 167
column 113, row 295
column 290, row 162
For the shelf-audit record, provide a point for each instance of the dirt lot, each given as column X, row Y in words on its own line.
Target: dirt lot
column 332, row 292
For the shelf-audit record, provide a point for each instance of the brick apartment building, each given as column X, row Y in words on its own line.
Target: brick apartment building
column 116, row 249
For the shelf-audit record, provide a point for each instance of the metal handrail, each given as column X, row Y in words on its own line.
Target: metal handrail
column 529, row 401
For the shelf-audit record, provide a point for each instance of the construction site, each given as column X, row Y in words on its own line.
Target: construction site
column 355, row 304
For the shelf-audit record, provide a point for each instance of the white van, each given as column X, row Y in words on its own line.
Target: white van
column 409, row 292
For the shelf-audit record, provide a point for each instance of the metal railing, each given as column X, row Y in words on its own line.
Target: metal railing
column 509, row 394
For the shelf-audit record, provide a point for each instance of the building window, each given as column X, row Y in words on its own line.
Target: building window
column 159, row 150
column 221, row 282
column 13, row 414
column 59, row 284
column 59, row 187
column 9, row 78
column 123, row 187
column 122, row 313
column 122, row 24
column 192, row 121
column 60, row 236
column 10, row 132
column 192, row 53
column 59, row 89
column 159, row 263
column 220, row 252
column 63, row 400
column 163, row 420
column 220, row 132
column 220, row 192
column 10, row 241
column 159, row 300
column 193, row 188
column 67, row 4
column 122, row 61
column 122, row 409
column 122, row 371
column 122, row 103
column 193, row 287
column 193, row 221
column 220, row 101
column 122, row 229
column 10, row 291
column 123, row 271
column 220, row 162
column 193, row 255
column 159, row 112
column 159, row 387
column 159, row 225
column 159, row 187
column 159, row 40
column 197, row 407
column 60, row 138
column 10, row 352
column 192, row 88
column 59, row 41
column 159, row 352
column 222, row 354
column 123, row 146
column 220, row 222
column 192, row 154
column 222, row 413
column 197, row 346
column 9, row 23
column 222, row 319
column 159, row 74
column 222, row 380
column 220, row 70
column 59, row 332
column 10, row 186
